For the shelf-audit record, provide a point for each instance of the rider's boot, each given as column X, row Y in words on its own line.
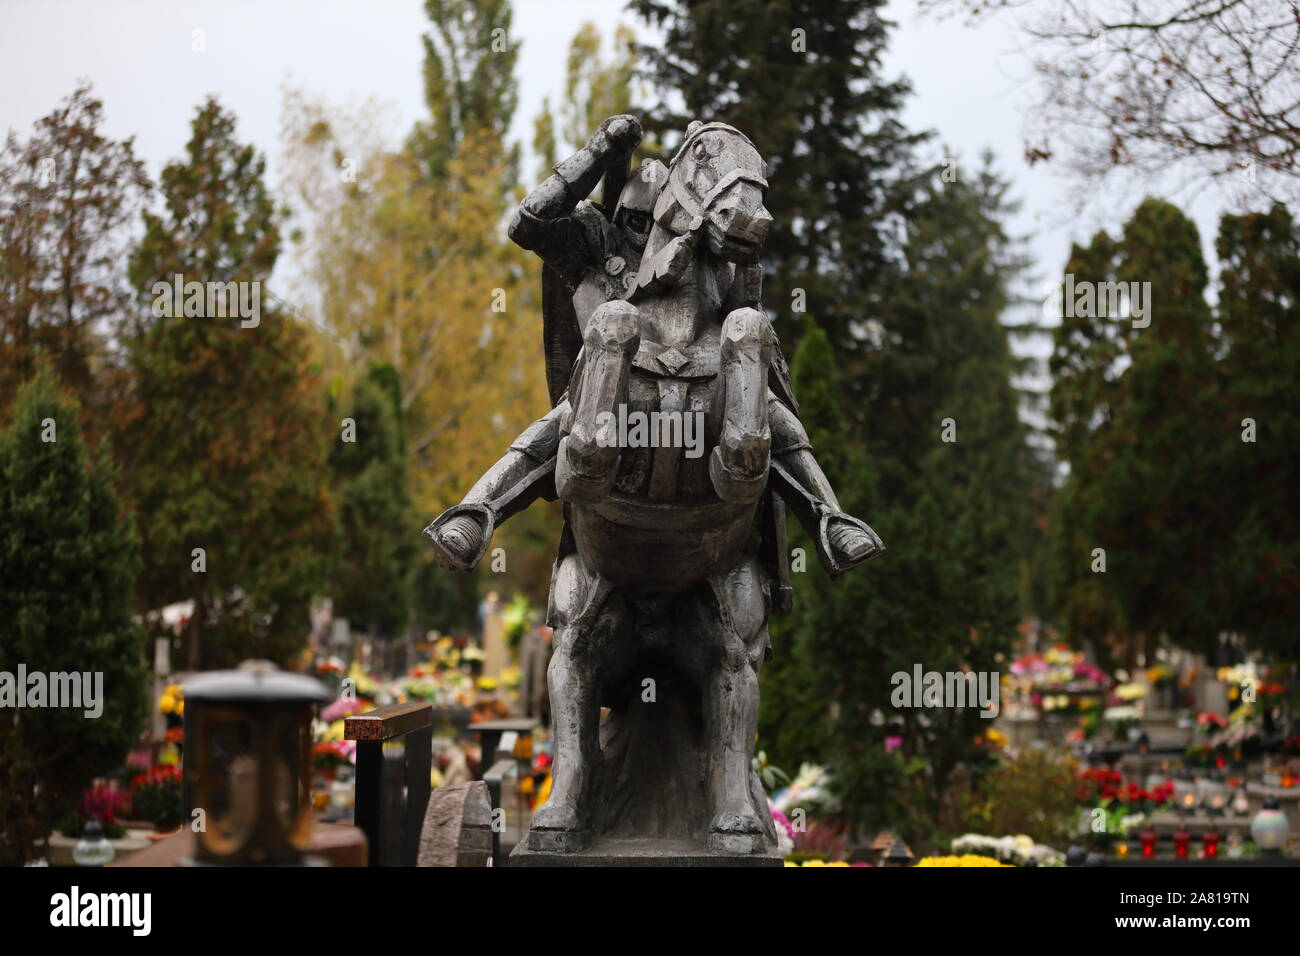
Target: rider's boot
column 588, row 457
column 849, row 541
column 460, row 535
column 738, row 466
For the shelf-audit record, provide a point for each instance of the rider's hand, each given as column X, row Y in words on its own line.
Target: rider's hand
column 622, row 133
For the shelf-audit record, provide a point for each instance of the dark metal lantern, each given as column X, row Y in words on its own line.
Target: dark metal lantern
column 248, row 763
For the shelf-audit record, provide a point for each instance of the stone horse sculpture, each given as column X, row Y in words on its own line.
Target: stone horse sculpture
column 669, row 563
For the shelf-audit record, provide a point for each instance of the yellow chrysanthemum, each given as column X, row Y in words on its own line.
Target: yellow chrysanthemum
column 966, row 859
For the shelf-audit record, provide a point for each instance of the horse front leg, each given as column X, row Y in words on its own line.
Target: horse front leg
column 738, row 466
column 583, row 618
column 731, row 711
column 588, row 456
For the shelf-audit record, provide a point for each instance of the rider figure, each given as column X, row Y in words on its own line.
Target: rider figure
column 591, row 258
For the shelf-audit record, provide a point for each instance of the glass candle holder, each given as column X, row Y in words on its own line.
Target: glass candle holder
column 1181, row 841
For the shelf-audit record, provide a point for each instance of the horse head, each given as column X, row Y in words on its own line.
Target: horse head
column 716, row 182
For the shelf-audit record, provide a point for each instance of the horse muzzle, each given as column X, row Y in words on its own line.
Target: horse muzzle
column 738, row 228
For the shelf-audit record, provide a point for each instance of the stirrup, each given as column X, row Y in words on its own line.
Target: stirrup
column 829, row 561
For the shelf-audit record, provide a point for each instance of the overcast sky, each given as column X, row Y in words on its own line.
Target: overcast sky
column 972, row 84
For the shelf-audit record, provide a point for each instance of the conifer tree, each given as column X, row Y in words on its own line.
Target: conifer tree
column 378, row 546
column 223, row 435
column 1138, row 402
column 1259, row 424
column 940, row 475
column 802, row 78
column 68, row 559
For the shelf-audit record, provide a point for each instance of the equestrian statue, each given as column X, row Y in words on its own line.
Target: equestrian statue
column 671, row 558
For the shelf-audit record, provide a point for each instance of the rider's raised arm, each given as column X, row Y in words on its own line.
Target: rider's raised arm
column 544, row 222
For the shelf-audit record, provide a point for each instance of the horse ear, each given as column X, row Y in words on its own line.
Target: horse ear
column 693, row 126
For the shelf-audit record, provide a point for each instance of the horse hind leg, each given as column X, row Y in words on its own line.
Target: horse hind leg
column 738, row 466
column 588, row 456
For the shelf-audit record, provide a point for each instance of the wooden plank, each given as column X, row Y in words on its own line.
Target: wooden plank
column 385, row 723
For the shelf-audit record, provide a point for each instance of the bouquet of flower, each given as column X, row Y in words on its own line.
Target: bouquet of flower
column 967, row 859
column 1015, row 850
column 156, row 796
column 104, row 803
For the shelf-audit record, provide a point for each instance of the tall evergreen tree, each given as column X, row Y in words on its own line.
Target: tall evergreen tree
column 941, row 477
column 1259, row 423
column 378, row 547
column 802, row 78
column 223, row 434
column 68, row 559
column 1138, row 406
column 795, row 707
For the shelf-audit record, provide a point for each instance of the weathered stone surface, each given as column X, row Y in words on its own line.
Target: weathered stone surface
column 457, row 827
column 673, row 552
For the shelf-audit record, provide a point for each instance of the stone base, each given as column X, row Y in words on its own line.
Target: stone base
column 611, row 852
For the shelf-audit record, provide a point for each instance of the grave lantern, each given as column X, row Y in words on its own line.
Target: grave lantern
column 1148, row 837
column 1211, row 841
column 898, row 855
column 1181, row 840
column 248, row 764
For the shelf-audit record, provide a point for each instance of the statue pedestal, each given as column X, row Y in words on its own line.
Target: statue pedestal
column 610, row 851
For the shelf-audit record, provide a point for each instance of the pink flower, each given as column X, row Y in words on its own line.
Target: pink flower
column 781, row 820
column 892, row 744
column 339, row 709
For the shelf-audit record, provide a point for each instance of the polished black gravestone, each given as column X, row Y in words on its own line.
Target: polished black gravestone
column 675, row 446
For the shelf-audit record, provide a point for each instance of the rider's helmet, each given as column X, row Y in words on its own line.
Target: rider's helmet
column 636, row 203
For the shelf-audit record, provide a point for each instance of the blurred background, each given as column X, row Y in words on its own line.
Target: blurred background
column 1094, row 499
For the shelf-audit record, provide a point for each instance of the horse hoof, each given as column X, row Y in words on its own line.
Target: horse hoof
column 736, row 819
column 736, row 844
column 731, row 486
column 557, row 841
column 557, row 828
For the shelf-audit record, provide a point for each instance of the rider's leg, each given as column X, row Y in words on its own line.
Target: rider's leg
column 516, row 480
column 731, row 707
column 842, row 540
column 588, row 456
column 738, row 467
column 584, row 617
